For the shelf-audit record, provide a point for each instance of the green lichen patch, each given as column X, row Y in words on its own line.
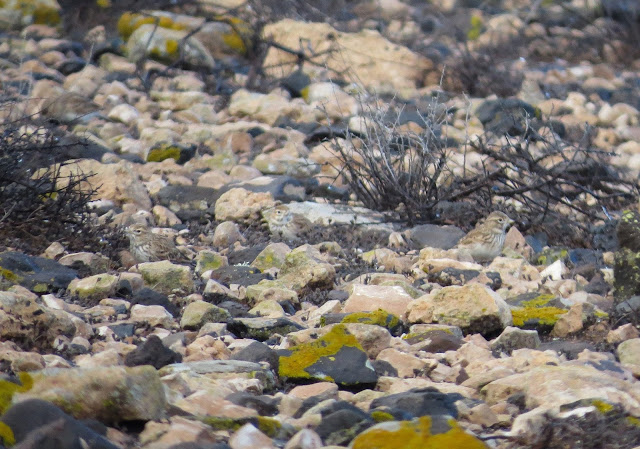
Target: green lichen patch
column 162, row 152
column 379, row 317
column 219, row 423
column 39, row 12
column 6, row 434
column 549, row 255
column 534, row 311
column 8, row 389
column 209, row 260
column 380, row 416
column 626, row 274
column 335, row 357
column 269, row 426
column 417, row 434
column 129, row 22
column 238, row 35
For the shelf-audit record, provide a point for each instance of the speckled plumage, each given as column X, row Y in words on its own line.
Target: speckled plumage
column 70, row 108
column 147, row 246
column 485, row 241
column 284, row 223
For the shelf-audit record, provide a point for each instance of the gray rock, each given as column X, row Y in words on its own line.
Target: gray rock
column 433, row 236
column 513, row 338
column 31, row 272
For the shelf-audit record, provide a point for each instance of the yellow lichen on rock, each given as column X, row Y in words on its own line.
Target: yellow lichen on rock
column 416, row 434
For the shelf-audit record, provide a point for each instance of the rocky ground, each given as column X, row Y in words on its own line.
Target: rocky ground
column 355, row 329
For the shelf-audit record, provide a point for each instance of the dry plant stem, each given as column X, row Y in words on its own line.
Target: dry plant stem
column 390, row 169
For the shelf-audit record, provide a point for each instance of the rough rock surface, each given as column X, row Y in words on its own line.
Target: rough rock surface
column 347, row 328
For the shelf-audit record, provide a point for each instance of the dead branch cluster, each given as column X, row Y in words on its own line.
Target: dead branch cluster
column 37, row 201
column 536, row 175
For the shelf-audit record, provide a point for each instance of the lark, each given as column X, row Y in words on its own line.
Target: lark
column 71, row 108
column 147, row 246
column 484, row 243
column 284, row 223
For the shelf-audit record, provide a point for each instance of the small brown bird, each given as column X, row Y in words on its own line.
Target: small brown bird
column 284, row 223
column 71, row 108
column 485, row 241
column 147, row 246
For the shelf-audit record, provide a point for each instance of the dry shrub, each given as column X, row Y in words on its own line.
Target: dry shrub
column 536, row 176
column 38, row 205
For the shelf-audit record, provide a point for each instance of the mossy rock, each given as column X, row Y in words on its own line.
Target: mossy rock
column 269, row 426
column 16, row 14
column 536, row 311
column 129, row 22
column 9, row 388
column 628, row 230
column 379, row 318
column 335, row 357
column 209, row 260
column 424, row 432
column 177, row 152
column 549, row 255
column 626, row 274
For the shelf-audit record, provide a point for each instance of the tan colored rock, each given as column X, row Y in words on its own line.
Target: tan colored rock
column 166, row 277
column 372, row 338
column 319, row 390
column 269, row 308
column 622, row 333
column 226, row 234
column 152, row 316
column 109, row 394
column 472, row 307
column 273, row 256
column 94, row 287
column 552, row 386
column 176, row 430
column 331, row 100
column 248, row 437
column 406, row 365
column 201, row 403
column 369, row 298
column 306, row 439
column 629, row 354
column 570, row 322
column 207, row 347
column 374, row 61
column 242, row 205
column 307, row 267
column 268, row 108
column 117, row 182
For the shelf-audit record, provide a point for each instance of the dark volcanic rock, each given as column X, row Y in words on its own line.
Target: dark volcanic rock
column 39, row 424
column 35, row 273
column 239, row 274
column 149, row 297
column 258, row 352
column 152, row 352
column 418, row 402
column 341, row 421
